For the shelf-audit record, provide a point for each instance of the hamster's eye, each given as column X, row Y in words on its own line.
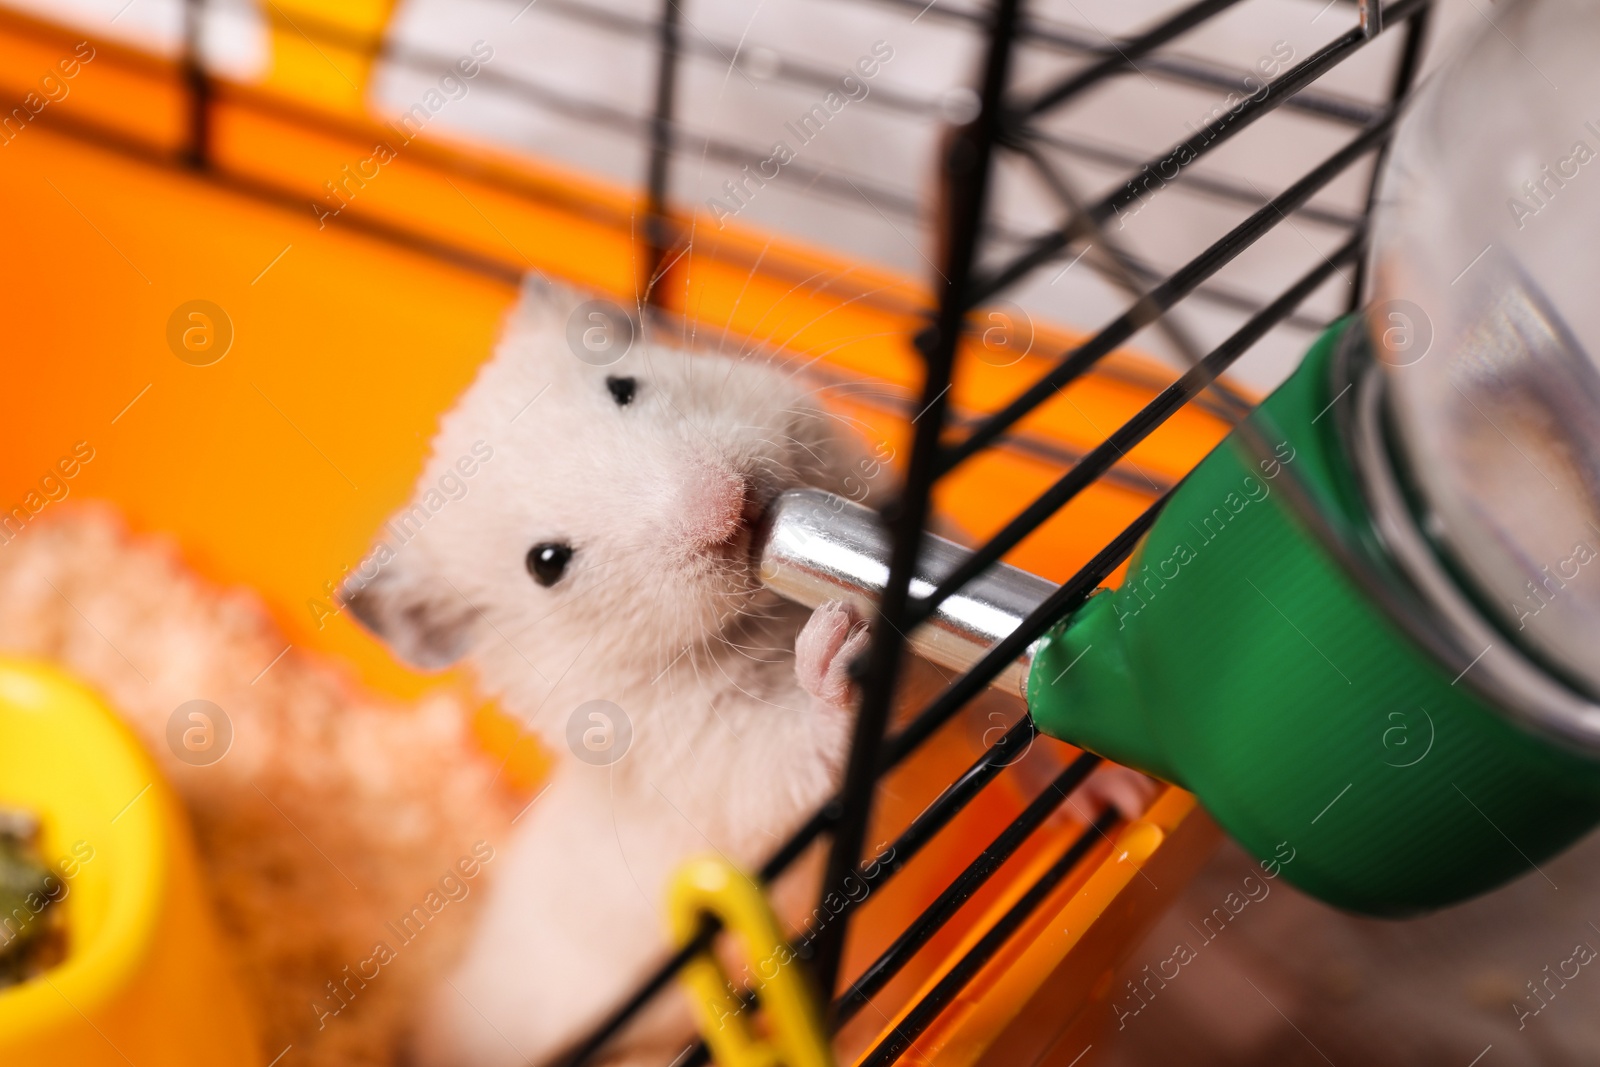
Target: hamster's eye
column 547, row 561
column 622, row 390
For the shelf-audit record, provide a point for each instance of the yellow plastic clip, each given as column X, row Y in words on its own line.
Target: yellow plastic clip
column 323, row 51
column 711, row 886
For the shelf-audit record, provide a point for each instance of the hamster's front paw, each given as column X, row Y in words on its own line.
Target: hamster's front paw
column 1122, row 788
column 830, row 640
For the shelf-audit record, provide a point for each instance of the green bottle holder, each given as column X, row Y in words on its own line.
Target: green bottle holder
column 1242, row 658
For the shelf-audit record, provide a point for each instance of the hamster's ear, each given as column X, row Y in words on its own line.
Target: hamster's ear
column 545, row 301
column 428, row 632
column 538, row 289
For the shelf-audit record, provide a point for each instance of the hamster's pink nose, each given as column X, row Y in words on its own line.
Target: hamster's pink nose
column 714, row 506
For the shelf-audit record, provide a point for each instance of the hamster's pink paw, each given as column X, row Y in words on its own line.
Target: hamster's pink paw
column 830, row 640
column 1111, row 786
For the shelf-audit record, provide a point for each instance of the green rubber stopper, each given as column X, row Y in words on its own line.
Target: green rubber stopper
column 1239, row 660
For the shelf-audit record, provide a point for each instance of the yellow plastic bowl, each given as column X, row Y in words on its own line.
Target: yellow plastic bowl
column 144, row 980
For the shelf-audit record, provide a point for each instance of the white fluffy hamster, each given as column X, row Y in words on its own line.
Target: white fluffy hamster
column 602, row 554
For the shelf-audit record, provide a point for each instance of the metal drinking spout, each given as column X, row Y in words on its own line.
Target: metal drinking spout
column 815, row 547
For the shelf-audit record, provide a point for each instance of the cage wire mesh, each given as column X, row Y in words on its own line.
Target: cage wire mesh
column 1001, row 137
column 577, row 82
column 1127, row 165
column 865, row 186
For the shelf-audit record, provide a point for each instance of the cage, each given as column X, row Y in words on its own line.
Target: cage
column 162, row 179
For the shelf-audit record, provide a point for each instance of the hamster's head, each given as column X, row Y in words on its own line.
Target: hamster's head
column 567, row 503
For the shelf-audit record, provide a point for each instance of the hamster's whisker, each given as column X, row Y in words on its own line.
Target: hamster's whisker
column 757, row 388
column 752, row 650
column 868, row 390
column 824, row 415
column 746, row 692
column 832, row 308
column 773, row 468
column 779, row 302
column 852, row 339
column 687, row 421
column 801, row 444
column 722, row 343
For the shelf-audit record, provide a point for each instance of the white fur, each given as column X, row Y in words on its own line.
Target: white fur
column 729, row 749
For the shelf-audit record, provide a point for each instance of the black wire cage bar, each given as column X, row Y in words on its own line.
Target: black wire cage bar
column 1004, row 124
